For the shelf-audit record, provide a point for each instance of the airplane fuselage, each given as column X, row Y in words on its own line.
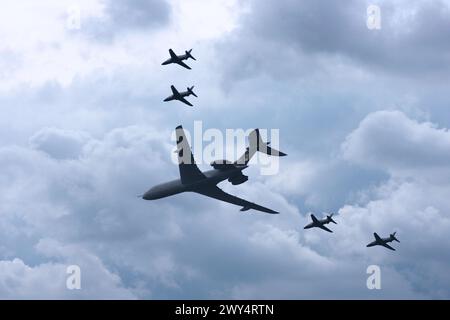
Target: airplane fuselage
column 175, row 60
column 175, row 97
column 212, row 177
column 314, row 224
column 380, row 243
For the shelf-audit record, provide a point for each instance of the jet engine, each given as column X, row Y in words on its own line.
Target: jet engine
column 222, row 164
column 238, row 180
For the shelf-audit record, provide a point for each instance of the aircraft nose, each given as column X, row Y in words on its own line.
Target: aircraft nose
column 149, row 195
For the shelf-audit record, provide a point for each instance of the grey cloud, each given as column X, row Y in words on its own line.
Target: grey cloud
column 122, row 16
column 138, row 13
column 306, row 37
column 60, row 144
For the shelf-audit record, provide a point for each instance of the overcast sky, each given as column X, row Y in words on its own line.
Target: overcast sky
column 363, row 115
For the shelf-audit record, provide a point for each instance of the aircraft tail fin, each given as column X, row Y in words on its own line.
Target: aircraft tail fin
column 256, row 143
column 330, row 218
column 189, row 55
column 191, row 91
column 393, row 237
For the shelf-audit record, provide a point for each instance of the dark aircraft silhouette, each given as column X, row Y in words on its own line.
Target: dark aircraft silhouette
column 179, row 59
column 205, row 183
column 180, row 95
column 383, row 241
column 320, row 223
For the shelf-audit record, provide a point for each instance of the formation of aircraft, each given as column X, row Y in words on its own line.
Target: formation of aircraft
column 383, row 241
column 316, row 223
column 176, row 95
column 179, row 59
column 205, row 183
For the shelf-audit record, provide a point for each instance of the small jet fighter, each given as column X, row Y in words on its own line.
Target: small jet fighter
column 316, row 223
column 383, row 241
column 180, row 95
column 179, row 59
column 205, row 183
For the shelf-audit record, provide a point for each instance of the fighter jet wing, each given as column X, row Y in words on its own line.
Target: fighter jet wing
column 387, row 246
column 377, row 237
column 217, row 193
column 325, row 228
column 175, row 91
column 184, row 101
column 173, row 55
column 181, row 63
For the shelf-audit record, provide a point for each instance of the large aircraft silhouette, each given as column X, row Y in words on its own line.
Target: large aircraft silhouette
column 179, row 59
column 205, row 183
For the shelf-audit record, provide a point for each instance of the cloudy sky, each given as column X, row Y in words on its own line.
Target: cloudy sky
column 363, row 115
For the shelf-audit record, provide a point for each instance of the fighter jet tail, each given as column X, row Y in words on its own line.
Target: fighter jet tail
column 394, row 238
column 191, row 91
column 189, row 55
column 330, row 218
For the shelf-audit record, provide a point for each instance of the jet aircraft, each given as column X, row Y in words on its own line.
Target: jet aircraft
column 179, row 59
column 316, row 223
column 383, row 241
column 176, row 95
column 205, row 183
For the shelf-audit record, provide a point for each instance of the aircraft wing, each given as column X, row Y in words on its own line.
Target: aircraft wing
column 173, row 55
column 189, row 172
column 377, row 237
column 184, row 101
column 175, row 91
column 314, row 219
column 325, row 228
column 217, row 193
column 387, row 246
column 181, row 63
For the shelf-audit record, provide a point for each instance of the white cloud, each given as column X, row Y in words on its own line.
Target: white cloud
column 48, row 280
column 402, row 146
